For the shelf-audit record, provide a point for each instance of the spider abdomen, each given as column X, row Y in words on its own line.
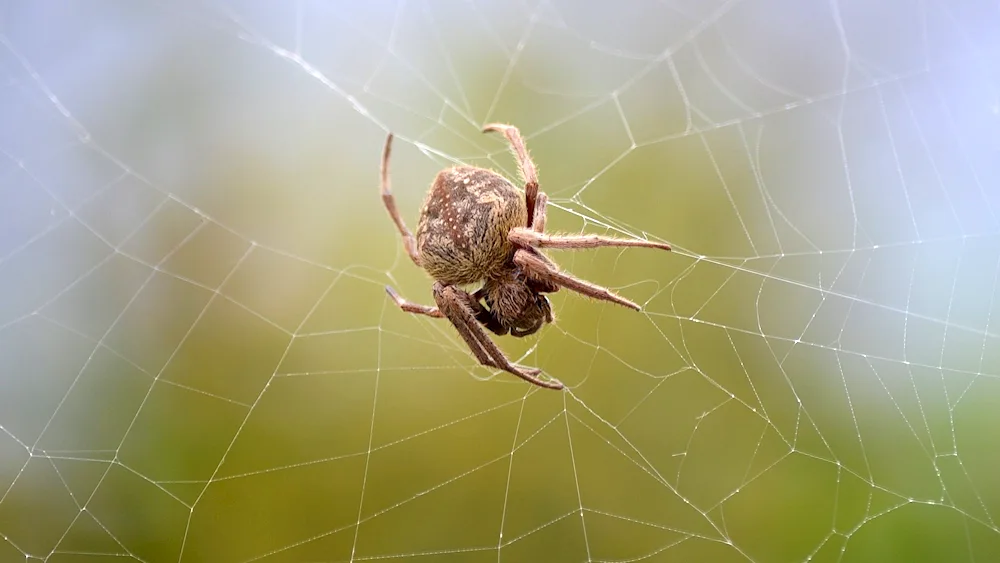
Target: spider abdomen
column 464, row 223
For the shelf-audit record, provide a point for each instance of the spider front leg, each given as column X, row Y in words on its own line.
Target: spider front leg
column 524, row 163
column 545, row 271
column 450, row 302
column 531, row 237
column 537, row 224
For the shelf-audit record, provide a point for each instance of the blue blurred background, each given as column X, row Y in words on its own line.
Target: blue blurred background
column 198, row 361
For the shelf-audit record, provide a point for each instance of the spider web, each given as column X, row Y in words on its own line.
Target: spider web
column 198, row 361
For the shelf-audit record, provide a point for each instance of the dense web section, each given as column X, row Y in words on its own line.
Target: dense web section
column 198, row 360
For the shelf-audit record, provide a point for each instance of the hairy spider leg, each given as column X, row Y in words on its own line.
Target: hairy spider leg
column 488, row 354
column 409, row 242
column 524, row 163
column 538, row 222
column 544, row 270
column 413, row 307
column 483, row 315
column 529, row 237
column 486, row 351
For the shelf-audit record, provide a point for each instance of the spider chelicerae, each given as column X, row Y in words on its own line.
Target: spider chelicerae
column 475, row 226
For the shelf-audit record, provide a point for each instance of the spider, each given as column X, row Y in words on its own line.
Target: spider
column 475, row 226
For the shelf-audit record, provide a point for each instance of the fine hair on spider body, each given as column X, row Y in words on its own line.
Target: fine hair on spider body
column 475, row 227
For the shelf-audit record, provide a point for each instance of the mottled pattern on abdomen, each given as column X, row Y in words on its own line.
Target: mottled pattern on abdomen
column 462, row 234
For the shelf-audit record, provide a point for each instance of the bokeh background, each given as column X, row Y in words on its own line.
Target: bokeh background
column 198, row 361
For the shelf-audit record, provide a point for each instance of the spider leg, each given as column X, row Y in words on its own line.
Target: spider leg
column 544, row 270
column 409, row 242
column 482, row 314
column 529, row 237
column 413, row 307
column 456, row 308
column 524, row 164
column 538, row 223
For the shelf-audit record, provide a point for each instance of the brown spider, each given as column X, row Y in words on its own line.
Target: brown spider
column 475, row 226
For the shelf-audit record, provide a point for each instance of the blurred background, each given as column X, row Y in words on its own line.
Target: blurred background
column 198, row 361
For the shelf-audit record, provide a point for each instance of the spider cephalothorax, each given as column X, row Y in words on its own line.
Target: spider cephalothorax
column 475, row 226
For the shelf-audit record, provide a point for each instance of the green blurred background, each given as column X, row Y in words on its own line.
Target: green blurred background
column 198, row 361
